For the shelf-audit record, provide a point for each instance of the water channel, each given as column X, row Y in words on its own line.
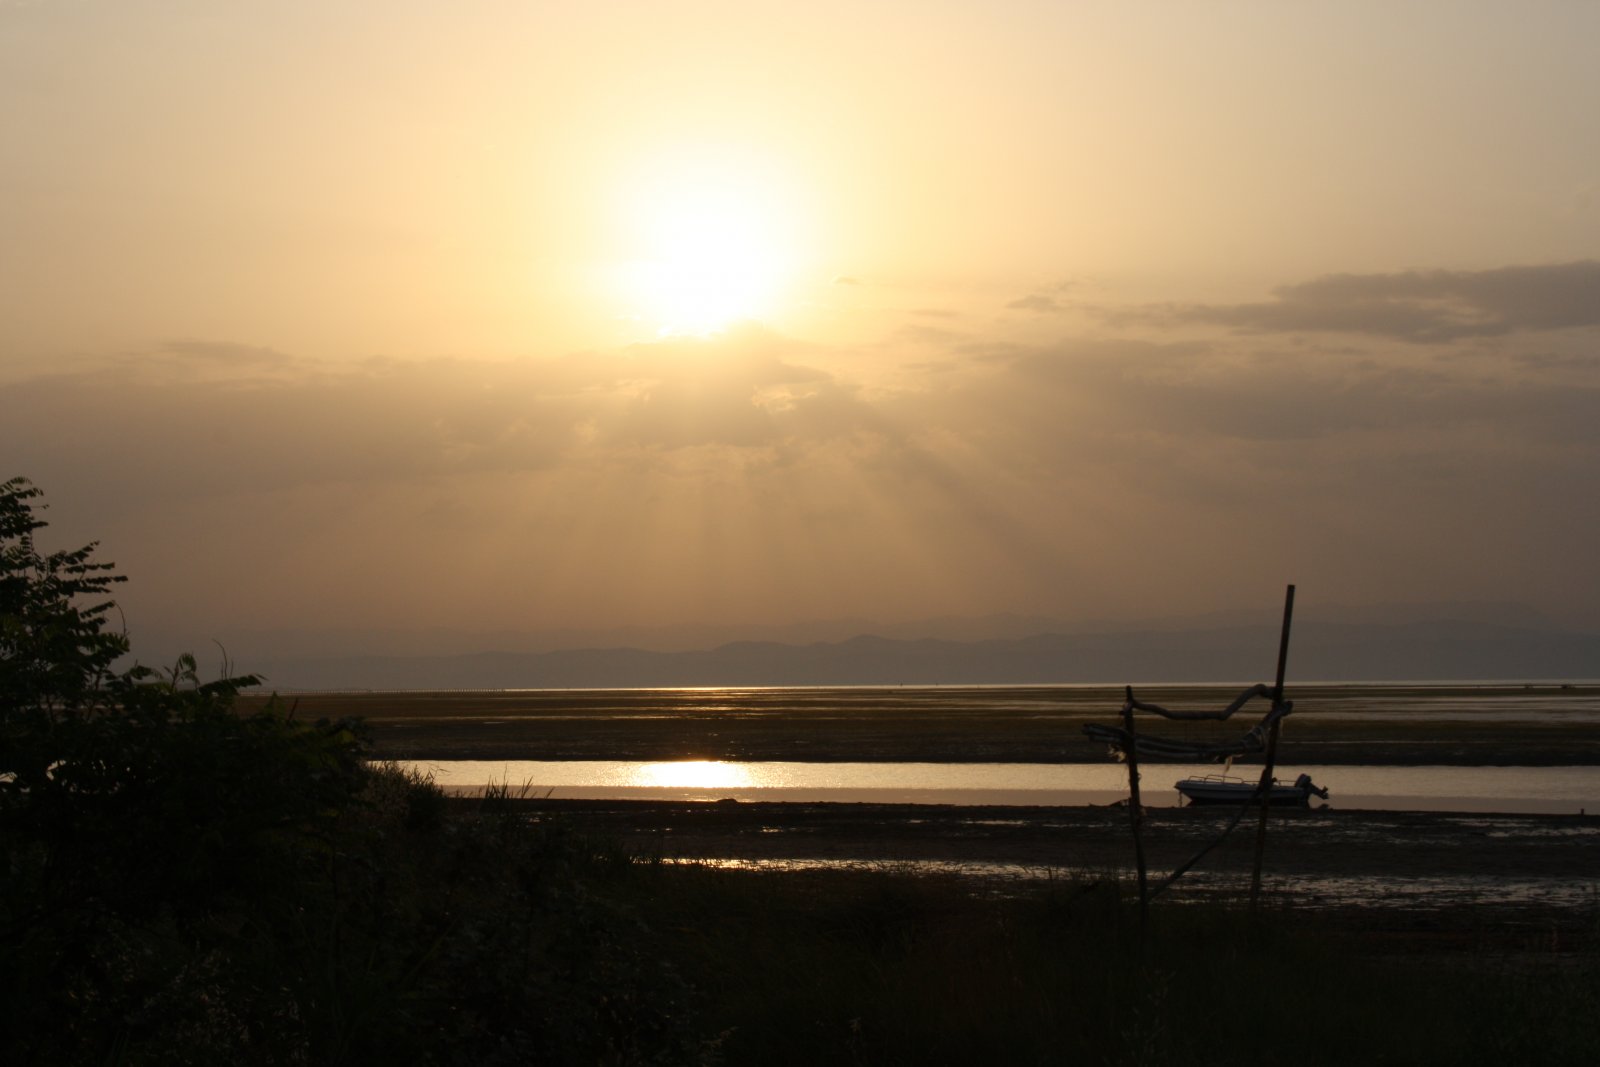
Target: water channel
column 1533, row 790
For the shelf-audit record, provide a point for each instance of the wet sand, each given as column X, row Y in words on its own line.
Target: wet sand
column 1398, row 725
column 1498, row 890
column 1310, row 843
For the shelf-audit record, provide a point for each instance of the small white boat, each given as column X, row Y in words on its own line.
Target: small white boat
column 1224, row 789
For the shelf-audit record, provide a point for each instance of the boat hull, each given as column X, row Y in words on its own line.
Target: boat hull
column 1232, row 791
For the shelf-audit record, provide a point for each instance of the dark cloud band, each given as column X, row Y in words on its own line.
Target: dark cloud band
column 1414, row 306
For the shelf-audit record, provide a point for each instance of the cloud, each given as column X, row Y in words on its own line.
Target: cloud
column 1566, row 361
column 918, row 334
column 1413, row 306
column 1044, row 300
column 227, row 352
column 1201, row 394
column 143, row 432
column 199, row 419
column 1036, row 302
column 765, row 471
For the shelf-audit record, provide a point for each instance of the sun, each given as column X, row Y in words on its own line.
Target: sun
column 714, row 238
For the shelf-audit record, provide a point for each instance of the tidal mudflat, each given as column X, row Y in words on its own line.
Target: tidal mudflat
column 1335, row 859
column 928, row 932
column 1316, row 859
column 1535, row 724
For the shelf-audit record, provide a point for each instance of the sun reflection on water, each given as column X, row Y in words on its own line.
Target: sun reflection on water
column 693, row 774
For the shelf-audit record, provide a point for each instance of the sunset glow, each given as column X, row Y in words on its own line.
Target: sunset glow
column 667, row 325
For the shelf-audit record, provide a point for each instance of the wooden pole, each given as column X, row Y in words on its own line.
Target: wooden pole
column 1136, row 813
column 1263, row 790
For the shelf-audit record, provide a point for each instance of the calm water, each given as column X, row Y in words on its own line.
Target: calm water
column 1502, row 789
column 1437, row 788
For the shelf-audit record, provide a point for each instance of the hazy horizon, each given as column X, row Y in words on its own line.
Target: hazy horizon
column 706, row 317
column 246, row 645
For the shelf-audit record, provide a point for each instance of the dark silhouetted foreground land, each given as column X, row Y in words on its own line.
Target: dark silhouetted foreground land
column 1310, row 851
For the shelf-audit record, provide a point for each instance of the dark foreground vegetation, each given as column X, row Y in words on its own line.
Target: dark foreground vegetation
column 186, row 882
column 413, row 934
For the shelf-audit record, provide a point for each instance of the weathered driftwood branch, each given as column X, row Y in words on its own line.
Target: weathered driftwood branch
column 1183, row 868
column 1128, row 744
column 1239, row 701
column 1123, row 740
column 1272, row 748
column 1136, row 819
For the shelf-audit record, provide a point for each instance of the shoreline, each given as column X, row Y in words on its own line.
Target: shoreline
column 1320, row 859
column 1353, row 864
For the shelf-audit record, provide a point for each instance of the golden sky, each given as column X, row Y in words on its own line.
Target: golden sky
column 493, row 316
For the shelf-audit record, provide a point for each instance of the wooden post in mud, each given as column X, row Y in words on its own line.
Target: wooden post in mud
column 1264, row 790
column 1136, row 812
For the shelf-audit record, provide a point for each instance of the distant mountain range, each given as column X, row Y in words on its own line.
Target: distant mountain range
column 313, row 642
column 1454, row 649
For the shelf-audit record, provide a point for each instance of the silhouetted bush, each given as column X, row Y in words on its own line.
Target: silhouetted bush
column 184, row 883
